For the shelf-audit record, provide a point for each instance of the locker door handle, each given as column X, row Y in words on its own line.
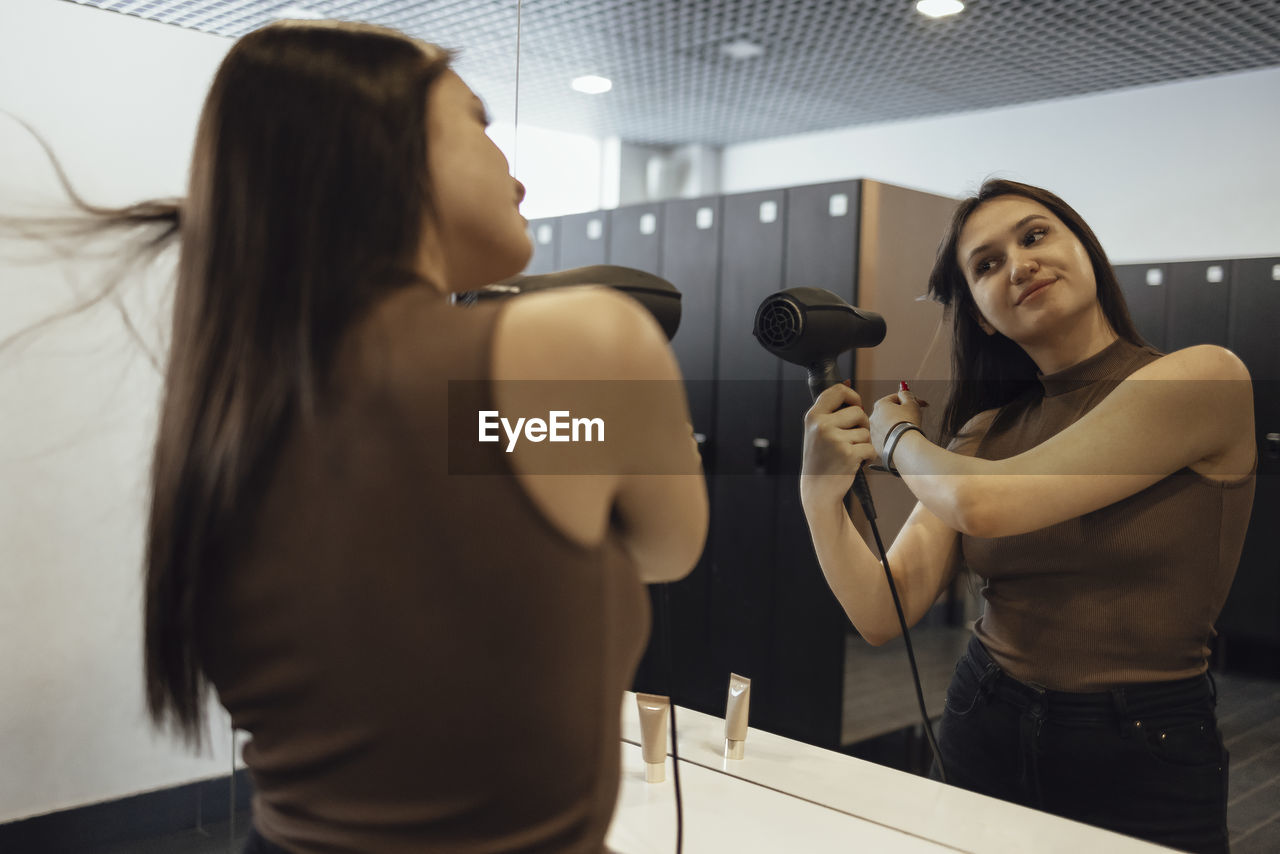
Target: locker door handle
column 763, row 448
column 1271, row 446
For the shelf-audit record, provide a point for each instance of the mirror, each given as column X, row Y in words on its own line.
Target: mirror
column 1092, row 126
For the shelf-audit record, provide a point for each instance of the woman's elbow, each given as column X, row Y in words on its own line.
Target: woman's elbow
column 973, row 512
column 675, row 553
column 880, row 638
column 670, row 565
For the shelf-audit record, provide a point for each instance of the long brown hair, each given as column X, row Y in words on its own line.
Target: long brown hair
column 989, row 371
column 309, row 195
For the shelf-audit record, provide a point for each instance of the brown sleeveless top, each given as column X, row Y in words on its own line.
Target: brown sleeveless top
column 1127, row 593
column 422, row 661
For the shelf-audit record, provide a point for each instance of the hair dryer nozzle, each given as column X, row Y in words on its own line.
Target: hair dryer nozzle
column 809, row 326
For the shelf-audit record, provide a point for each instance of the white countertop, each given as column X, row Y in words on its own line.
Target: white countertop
column 725, row 814
column 786, row 795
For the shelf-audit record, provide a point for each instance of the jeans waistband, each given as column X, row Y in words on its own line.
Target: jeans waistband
column 1129, row 700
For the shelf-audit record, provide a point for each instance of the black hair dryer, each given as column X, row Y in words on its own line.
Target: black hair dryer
column 811, row 327
column 655, row 293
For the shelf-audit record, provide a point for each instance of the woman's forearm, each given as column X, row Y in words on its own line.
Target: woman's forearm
column 943, row 481
column 853, row 572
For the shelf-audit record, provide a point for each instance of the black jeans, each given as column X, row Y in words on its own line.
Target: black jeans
column 1146, row 760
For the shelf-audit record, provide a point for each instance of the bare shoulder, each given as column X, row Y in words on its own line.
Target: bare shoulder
column 1206, row 362
column 580, row 333
column 1213, row 381
column 562, row 351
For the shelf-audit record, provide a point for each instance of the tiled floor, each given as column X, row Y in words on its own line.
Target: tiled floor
column 1249, row 716
column 211, row 839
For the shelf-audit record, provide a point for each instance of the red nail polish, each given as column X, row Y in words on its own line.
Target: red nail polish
column 902, row 386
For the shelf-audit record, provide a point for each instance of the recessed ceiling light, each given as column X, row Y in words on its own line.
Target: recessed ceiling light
column 297, row 12
column 939, row 8
column 741, row 49
column 592, row 84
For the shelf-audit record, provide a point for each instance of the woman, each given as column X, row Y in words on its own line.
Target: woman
column 1084, row 690
column 426, row 636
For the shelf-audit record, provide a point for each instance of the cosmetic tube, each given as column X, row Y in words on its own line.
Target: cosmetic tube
column 654, row 709
column 735, row 716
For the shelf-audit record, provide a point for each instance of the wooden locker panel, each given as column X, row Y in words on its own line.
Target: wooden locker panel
column 1197, row 303
column 584, row 239
column 899, row 233
column 744, row 483
column 545, row 235
column 900, row 230
column 1252, row 611
column 1145, row 292
column 635, row 238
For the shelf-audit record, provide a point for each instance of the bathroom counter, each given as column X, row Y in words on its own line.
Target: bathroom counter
column 786, row 795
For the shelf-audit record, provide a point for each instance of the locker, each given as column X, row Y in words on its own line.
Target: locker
column 809, row 625
column 687, row 240
column 1252, row 611
column 583, row 240
column 1197, row 303
column 1145, row 291
column 544, row 233
column 635, row 238
column 757, row 603
column 743, row 488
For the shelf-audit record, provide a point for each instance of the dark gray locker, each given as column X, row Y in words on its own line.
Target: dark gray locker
column 1145, row 291
column 809, row 625
column 1255, row 313
column 584, row 239
column 1252, row 612
column 691, row 261
column 1197, row 303
column 744, row 484
column 544, row 234
column 687, row 241
column 635, row 238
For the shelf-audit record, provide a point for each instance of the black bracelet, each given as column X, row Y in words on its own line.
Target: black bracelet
column 896, row 432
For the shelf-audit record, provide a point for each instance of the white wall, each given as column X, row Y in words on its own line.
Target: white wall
column 117, row 99
column 562, row 172
column 1178, row 171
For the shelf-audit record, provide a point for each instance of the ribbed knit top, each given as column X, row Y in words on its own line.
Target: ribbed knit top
column 1126, row 593
column 422, row 661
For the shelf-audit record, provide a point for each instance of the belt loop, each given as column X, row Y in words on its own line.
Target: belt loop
column 987, row 681
column 1118, row 700
column 1124, row 717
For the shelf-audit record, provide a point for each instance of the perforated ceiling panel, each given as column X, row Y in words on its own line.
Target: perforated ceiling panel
column 824, row 64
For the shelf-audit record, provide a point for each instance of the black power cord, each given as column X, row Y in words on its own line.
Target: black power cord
column 664, row 626
column 811, row 327
column 863, row 493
